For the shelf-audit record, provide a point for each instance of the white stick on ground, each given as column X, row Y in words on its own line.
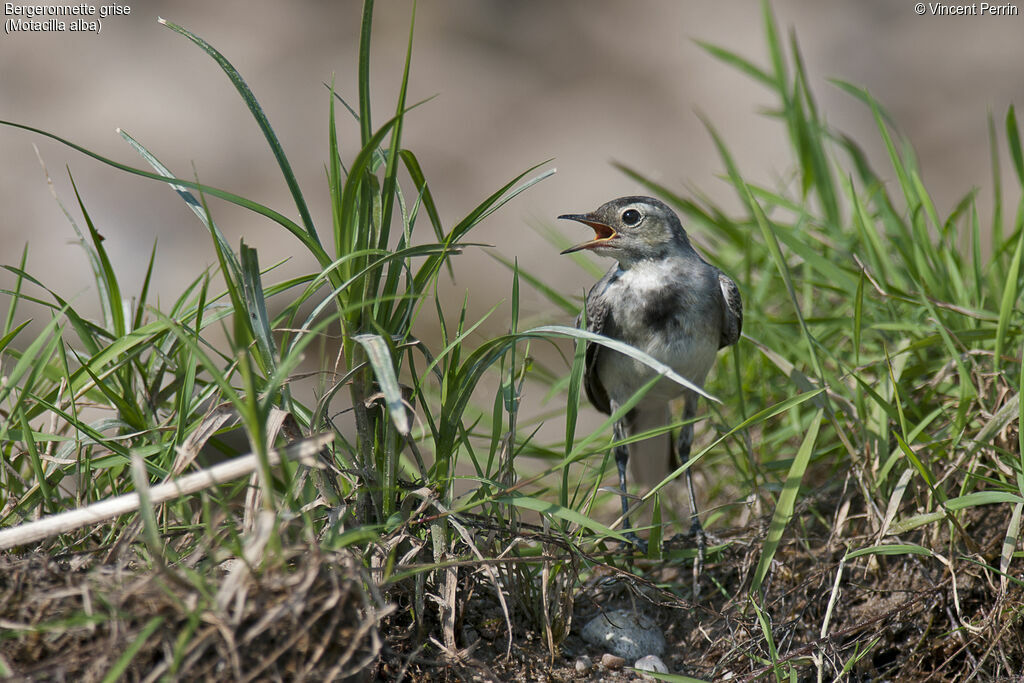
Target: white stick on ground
column 30, row 532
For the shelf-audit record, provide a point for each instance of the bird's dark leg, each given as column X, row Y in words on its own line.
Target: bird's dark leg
column 621, row 461
column 683, row 447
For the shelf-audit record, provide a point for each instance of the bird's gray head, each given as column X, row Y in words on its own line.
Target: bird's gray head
column 631, row 229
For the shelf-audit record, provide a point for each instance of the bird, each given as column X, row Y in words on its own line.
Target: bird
column 662, row 298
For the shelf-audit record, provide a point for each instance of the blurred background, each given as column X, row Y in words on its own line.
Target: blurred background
column 581, row 82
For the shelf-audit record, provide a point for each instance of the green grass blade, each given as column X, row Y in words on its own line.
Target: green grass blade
column 1013, row 142
column 378, row 352
column 140, row 306
column 832, row 273
column 109, row 289
column 865, row 98
column 255, row 310
column 335, row 177
column 1020, row 421
column 572, row 407
column 120, row 400
column 997, row 186
column 261, row 120
column 354, row 186
column 739, row 63
column 894, row 156
column 365, row 31
column 770, row 238
column 896, row 549
column 774, row 48
column 1010, row 541
column 786, row 504
column 415, row 171
column 983, row 498
column 38, row 468
column 621, row 347
column 389, row 188
column 117, row 672
column 33, row 360
column 9, row 337
column 548, row 508
column 431, row 266
column 310, row 242
column 230, row 262
column 12, row 307
column 1008, row 302
column 813, row 140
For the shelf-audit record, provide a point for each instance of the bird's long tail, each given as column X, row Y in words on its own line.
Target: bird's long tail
column 650, row 459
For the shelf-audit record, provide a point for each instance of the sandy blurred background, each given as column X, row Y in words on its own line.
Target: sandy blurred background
column 583, row 82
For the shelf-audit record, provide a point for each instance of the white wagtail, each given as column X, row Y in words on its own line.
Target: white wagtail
column 664, row 299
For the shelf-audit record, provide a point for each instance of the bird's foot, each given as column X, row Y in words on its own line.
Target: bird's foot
column 635, row 541
column 697, row 531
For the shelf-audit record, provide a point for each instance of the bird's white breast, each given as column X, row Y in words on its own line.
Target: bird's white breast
column 662, row 308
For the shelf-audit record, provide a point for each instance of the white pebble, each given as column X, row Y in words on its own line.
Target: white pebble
column 651, row 663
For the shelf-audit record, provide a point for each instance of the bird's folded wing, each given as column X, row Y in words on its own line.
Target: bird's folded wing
column 732, row 320
column 597, row 318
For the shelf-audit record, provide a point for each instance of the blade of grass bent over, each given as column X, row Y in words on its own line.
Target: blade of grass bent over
column 379, row 354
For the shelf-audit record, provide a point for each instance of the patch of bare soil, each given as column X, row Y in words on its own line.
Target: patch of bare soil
column 319, row 616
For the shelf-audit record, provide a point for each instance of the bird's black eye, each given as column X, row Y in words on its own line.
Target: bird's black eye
column 630, row 216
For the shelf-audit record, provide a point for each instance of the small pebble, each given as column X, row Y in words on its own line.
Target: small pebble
column 651, row 663
column 613, row 662
column 583, row 664
column 626, row 634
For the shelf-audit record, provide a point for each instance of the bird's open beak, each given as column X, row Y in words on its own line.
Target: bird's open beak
column 602, row 233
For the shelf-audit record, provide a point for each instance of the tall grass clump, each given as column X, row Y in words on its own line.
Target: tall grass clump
column 96, row 409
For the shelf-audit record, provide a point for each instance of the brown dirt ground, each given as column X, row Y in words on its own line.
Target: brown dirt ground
column 318, row 616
